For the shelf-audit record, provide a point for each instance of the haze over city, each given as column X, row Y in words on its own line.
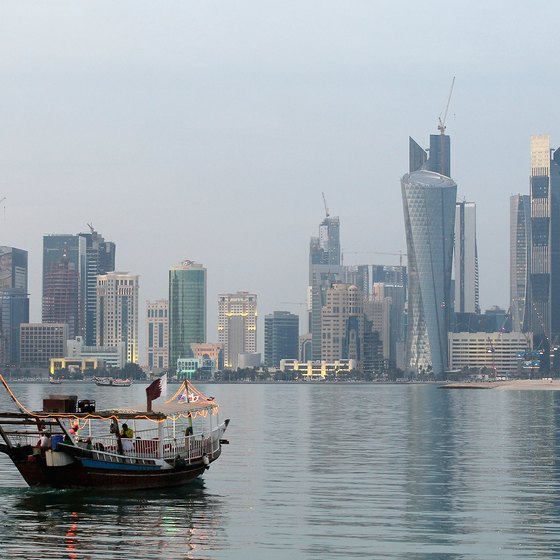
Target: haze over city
column 209, row 131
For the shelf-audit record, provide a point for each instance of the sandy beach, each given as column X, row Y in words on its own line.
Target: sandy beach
column 515, row 385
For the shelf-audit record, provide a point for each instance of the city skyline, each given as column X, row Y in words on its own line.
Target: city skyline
column 136, row 128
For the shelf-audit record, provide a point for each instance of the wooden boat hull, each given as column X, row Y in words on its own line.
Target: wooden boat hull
column 36, row 472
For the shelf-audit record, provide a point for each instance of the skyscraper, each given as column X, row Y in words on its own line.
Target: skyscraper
column 64, row 272
column 117, row 312
column 520, row 269
column 187, row 309
column 544, row 276
column 14, row 302
column 429, row 215
column 437, row 159
column 157, row 335
column 237, row 326
column 100, row 259
column 324, row 269
column 466, row 259
column 281, row 337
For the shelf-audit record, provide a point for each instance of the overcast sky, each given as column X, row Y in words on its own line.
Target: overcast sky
column 208, row 130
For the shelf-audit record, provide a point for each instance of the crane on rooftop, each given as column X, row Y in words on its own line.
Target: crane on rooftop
column 400, row 254
column 441, row 125
column 325, row 203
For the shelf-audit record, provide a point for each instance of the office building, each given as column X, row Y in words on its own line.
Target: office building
column 324, row 269
column 117, row 312
column 520, row 263
column 466, row 259
column 187, row 309
column 493, row 353
column 100, row 259
column 64, row 271
column 157, row 335
column 429, row 215
column 544, row 275
column 436, row 159
column 39, row 342
column 342, row 323
column 281, row 337
column 14, row 302
column 237, row 326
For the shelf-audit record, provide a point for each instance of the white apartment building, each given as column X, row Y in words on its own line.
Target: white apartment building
column 157, row 334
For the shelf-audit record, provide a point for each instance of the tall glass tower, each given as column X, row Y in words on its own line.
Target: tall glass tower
column 544, row 278
column 466, row 259
column 187, row 309
column 429, row 215
column 520, row 269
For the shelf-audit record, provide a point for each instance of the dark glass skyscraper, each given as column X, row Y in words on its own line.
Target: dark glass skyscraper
column 100, row 259
column 14, row 302
column 438, row 159
column 281, row 337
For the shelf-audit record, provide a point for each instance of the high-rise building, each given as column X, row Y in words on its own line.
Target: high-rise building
column 100, row 259
column 342, row 323
column 187, row 309
column 14, row 302
column 466, row 259
column 439, row 160
column 324, row 269
column 392, row 282
column 71, row 264
column 544, row 276
column 429, row 215
column 237, row 326
column 520, row 264
column 157, row 335
column 281, row 337
column 117, row 312
column 64, row 273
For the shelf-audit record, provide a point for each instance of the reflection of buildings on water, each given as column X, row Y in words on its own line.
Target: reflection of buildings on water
column 154, row 524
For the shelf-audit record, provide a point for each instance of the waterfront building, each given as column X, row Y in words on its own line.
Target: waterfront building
column 212, row 351
column 318, row 370
column 157, row 335
column 324, row 269
column 187, row 309
column 14, row 302
column 117, row 312
column 494, row 353
column 281, row 337
column 466, row 259
column 520, row 263
column 64, row 271
column 39, row 342
column 100, row 259
column 378, row 311
column 544, row 275
column 249, row 360
column 237, row 326
column 429, row 214
column 108, row 356
column 342, row 323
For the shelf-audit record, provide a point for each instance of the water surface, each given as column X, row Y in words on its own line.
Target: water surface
column 322, row 471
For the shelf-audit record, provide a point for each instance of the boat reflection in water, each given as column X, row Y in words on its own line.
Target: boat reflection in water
column 82, row 524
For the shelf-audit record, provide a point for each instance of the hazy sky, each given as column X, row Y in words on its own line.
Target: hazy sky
column 208, row 130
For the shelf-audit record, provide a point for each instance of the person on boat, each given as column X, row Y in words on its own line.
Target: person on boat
column 127, row 432
column 89, row 445
column 45, row 440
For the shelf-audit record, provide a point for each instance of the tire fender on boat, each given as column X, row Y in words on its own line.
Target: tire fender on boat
column 206, row 461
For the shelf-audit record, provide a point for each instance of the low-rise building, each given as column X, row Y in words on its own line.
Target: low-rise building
column 318, row 369
column 39, row 342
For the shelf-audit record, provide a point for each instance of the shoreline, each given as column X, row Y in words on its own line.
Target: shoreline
column 515, row 385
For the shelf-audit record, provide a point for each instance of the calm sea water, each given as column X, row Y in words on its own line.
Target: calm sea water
column 322, row 471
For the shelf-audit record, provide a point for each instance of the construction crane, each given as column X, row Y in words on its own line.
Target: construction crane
column 1, row 201
column 441, row 125
column 400, row 254
column 293, row 302
column 325, row 203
